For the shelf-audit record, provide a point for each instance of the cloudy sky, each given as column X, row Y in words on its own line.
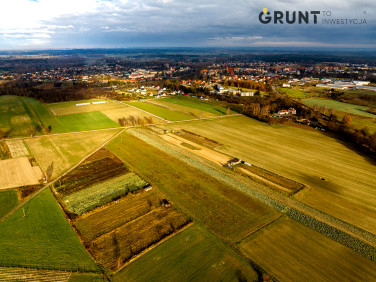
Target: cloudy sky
column 41, row 24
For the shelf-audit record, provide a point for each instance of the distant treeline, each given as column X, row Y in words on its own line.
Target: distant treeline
column 54, row 92
column 262, row 108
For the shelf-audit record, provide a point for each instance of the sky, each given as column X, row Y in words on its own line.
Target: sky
column 56, row 24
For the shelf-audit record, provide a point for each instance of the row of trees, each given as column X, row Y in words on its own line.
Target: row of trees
column 135, row 120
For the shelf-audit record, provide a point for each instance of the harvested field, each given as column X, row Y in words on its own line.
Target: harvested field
column 99, row 166
column 17, row 148
column 8, row 274
column 161, row 111
column 64, row 151
column 292, row 252
column 271, row 179
column 18, row 172
column 215, row 157
column 102, row 193
column 112, row 216
column 67, row 108
column 225, row 210
column 113, row 249
column 126, row 111
column 349, row 189
column 212, row 144
column 192, row 255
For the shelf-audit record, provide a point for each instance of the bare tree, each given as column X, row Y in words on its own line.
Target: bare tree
column 347, row 120
column 32, row 130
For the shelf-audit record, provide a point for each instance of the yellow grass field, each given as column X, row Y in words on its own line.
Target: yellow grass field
column 349, row 189
column 293, row 252
column 196, row 113
column 211, row 155
column 66, row 150
column 18, row 172
column 67, row 108
column 126, row 111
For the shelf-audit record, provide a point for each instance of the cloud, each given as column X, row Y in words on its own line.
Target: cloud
column 126, row 23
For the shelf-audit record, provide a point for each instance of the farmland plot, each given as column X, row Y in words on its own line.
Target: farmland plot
column 161, row 111
column 195, row 113
column 115, row 214
column 102, row 193
column 64, row 151
column 75, row 107
column 194, row 103
column 225, row 210
column 192, row 255
column 341, row 182
column 42, row 239
column 293, row 252
column 18, row 172
column 113, row 249
column 14, row 115
column 99, row 166
column 8, row 200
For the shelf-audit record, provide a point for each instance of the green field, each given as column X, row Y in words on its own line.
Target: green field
column 86, row 121
column 42, row 239
column 15, row 115
column 20, row 113
column 197, row 104
column 225, row 210
column 305, row 156
column 339, row 106
column 192, row 255
column 102, row 193
column 195, row 113
column 161, row 111
column 85, row 277
column 295, row 93
column 292, row 252
column 66, row 150
column 8, row 200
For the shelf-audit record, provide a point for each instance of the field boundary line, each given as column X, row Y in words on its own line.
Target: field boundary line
column 145, row 111
column 261, row 227
column 58, row 178
column 47, row 270
column 189, row 224
column 62, row 133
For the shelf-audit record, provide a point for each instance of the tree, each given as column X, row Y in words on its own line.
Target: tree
column 332, row 111
column 47, row 129
column 347, row 120
column 32, row 130
column 3, row 134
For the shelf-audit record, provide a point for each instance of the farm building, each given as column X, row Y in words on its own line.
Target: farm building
column 290, row 111
column 233, row 162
